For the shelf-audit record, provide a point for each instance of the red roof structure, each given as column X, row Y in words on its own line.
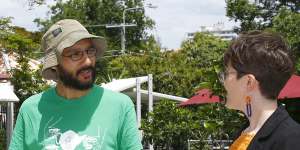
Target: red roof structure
column 4, row 76
column 203, row 96
column 291, row 89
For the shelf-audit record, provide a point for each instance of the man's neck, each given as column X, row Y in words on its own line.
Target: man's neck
column 70, row 93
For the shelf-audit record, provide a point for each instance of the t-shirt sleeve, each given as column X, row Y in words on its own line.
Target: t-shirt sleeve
column 17, row 140
column 130, row 135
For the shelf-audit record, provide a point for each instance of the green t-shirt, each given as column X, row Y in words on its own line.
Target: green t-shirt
column 100, row 120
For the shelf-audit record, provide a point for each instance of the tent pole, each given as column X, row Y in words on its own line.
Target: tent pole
column 150, row 95
column 138, row 101
column 9, row 122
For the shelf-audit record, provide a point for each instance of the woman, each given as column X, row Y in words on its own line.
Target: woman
column 257, row 67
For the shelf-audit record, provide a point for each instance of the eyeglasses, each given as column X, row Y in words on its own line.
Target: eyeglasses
column 77, row 55
column 223, row 75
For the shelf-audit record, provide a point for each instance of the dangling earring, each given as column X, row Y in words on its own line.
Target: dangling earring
column 248, row 106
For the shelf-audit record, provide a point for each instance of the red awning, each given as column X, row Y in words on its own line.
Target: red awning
column 203, row 96
column 291, row 89
column 4, row 76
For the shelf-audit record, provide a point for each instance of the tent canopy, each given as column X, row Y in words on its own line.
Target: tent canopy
column 128, row 87
column 291, row 89
column 7, row 93
column 203, row 96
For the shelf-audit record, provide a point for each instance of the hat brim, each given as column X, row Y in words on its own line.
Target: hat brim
column 50, row 61
column 97, row 41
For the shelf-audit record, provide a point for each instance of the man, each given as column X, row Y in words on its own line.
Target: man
column 76, row 114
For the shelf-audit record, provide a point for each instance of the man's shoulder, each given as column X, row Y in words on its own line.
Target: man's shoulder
column 114, row 96
column 34, row 100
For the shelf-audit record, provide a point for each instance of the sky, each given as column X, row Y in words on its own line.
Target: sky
column 173, row 18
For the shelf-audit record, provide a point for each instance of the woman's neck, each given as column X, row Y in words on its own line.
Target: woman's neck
column 262, row 109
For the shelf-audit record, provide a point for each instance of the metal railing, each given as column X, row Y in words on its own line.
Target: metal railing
column 3, row 110
column 213, row 144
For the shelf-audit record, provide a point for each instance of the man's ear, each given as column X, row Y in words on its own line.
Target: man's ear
column 252, row 83
column 54, row 69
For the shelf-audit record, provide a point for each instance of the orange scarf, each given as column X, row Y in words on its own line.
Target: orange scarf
column 242, row 142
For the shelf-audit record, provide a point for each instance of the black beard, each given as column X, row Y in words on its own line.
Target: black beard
column 70, row 81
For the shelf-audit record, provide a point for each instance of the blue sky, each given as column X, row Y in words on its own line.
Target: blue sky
column 173, row 18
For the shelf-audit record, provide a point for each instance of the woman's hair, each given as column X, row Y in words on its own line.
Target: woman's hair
column 266, row 56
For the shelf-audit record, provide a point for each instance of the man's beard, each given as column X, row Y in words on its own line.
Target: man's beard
column 71, row 81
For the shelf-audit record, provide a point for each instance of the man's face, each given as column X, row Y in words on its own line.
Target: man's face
column 77, row 66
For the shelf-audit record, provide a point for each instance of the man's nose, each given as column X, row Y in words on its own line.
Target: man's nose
column 87, row 59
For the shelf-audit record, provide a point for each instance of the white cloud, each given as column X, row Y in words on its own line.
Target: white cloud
column 174, row 18
column 21, row 13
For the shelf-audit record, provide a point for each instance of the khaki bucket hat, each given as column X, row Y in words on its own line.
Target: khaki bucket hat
column 65, row 33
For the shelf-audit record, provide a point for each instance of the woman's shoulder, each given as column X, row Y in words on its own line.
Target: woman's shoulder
column 289, row 127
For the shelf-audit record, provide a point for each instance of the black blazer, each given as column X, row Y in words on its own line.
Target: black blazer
column 279, row 132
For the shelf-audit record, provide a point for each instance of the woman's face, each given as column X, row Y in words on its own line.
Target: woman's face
column 235, row 89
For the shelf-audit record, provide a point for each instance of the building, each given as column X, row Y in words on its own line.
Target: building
column 217, row 30
column 12, row 58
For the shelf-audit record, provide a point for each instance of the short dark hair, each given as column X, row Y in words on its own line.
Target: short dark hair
column 266, row 56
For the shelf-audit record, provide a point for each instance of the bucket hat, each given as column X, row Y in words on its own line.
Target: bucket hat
column 63, row 34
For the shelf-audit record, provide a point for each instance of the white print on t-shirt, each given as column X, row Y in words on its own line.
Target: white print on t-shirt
column 70, row 140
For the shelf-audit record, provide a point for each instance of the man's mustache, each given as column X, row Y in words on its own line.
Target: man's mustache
column 88, row 68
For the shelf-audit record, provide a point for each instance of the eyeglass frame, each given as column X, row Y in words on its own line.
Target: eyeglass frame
column 72, row 56
column 222, row 75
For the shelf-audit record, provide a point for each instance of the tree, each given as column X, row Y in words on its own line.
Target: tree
column 165, row 68
column 5, row 28
column 26, row 81
column 171, row 126
column 205, row 52
column 95, row 12
column 32, row 3
column 182, row 73
column 280, row 16
column 200, row 61
column 288, row 24
column 259, row 14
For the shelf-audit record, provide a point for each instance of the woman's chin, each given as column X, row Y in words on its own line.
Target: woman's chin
column 229, row 106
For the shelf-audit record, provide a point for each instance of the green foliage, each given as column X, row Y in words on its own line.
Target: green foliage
column 5, row 28
column 244, row 12
column 288, row 24
column 259, row 14
column 198, row 62
column 205, row 52
column 27, row 83
column 182, row 73
column 281, row 16
column 34, row 36
column 165, row 68
column 25, row 80
column 32, row 3
column 2, row 139
column 95, row 12
column 172, row 126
